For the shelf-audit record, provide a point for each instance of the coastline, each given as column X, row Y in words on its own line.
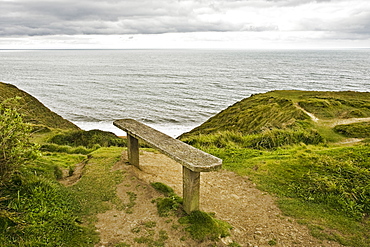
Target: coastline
column 172, row 130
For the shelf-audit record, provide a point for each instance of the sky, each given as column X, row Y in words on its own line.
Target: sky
column 218, row 24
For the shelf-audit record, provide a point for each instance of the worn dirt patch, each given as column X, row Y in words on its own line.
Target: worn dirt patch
column 75, row 177
column 256, row 219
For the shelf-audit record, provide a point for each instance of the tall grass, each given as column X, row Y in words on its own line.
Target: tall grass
column 355, row 130
column 88, row 139
column 268, row 139
column 44, row 214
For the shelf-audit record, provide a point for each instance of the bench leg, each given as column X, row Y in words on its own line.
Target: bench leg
column 133, row 150
column 191, row 188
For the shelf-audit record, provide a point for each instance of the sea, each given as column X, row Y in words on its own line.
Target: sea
column 172, row 90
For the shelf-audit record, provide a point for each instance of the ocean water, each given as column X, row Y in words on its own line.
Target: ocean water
column 172, row 90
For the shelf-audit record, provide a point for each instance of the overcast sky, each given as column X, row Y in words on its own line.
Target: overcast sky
column 184, row 23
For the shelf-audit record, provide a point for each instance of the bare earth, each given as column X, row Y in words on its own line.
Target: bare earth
column 255, row 218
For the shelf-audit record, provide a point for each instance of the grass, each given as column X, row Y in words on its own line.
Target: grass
column 170, row 204
column 35, row 203
column 96, row 190
column 203, row 226
column 355, row 130
column 88, row 139
column 325, row 187
column 33, row 110
column 39, row 205
column 149, row 236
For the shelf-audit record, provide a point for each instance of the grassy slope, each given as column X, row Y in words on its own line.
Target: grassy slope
column 34, row 203
column 325, row 186
column 277, row 109
column 33, row 110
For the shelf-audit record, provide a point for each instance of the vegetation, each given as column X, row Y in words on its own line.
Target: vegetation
column 324, row 184
column 203, row 226
column 88, row 139
column 35, row 209
column 34, row 111
column 32, row 204
column 170, row 204
column 15, row 146
column 355, row 130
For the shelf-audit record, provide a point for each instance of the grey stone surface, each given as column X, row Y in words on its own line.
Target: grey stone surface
column 190, row 157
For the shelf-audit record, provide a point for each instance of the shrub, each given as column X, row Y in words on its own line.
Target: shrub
column 88, row 139
column 16, row 149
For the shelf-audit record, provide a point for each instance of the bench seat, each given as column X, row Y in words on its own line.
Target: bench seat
column 188, row 156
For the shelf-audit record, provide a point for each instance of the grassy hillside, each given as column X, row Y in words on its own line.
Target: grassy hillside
column 278, row 109
column 33, row 110
column 295, row 145
column 284, row 117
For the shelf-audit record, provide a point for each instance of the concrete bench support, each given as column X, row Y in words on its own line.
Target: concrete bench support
column 193, row 160
column 191, row 189
column 133, row 150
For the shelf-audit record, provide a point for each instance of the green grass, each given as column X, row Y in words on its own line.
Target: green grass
column 35, row 210
column 355, row 130
column 272, row 119
column 171, row 204
column 33, row 110
column 39, row 206
column 96, row 190
column 203, row 226
column 325, row 187
column 88, row 139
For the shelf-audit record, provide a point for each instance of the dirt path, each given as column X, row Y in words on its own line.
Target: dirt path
column 256, row 219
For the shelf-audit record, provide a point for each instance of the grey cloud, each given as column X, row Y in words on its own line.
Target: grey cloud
column 72, row 17
column 106, row 17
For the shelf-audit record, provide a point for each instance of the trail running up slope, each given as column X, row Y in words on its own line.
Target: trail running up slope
column 255, row 218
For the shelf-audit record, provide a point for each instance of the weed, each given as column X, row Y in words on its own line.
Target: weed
column 122, row 245
column 234, row 244
column 149, row 236
column 150, row 224
column 203, row 226
column 272, row 242
column 168, row 205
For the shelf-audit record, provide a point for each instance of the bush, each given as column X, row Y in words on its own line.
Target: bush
column 16, row 149
column 88, row 139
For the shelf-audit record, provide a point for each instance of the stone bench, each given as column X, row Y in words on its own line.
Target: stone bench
column 192, row 159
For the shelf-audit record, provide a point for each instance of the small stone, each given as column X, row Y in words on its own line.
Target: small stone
column 235, row 197
column 227, row 240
